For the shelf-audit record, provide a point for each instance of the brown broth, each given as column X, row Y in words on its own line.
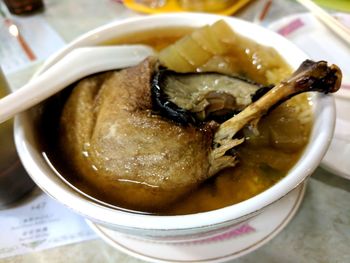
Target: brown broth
column 264, row 159
column 160, row 38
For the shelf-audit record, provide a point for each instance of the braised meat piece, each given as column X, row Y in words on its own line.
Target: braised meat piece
column 132, row 149
column 117, row 144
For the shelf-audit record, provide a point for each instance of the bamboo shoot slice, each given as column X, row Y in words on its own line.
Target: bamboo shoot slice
column 192, row 52
column 170, row 58
column 208, row 41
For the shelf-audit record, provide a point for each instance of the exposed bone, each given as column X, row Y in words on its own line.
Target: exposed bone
column 310, row 76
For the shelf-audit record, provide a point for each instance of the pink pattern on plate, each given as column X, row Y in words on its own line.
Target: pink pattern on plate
column 232, row 233
column 291, row 27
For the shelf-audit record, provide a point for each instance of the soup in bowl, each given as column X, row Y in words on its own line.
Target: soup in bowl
column 195, row 179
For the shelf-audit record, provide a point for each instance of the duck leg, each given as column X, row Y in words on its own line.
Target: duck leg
column 310, row 76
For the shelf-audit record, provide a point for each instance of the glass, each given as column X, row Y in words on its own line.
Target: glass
column 14, row 181
column 19, row 7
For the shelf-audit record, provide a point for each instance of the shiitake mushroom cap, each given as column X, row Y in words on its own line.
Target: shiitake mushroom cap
column 163, row 106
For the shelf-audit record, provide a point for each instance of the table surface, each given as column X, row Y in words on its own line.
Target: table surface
column 320, row 231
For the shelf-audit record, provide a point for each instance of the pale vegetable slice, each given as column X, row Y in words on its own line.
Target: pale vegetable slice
column 192, row 52
column 222, row 31
column 198, row 47
column 208, row 41
column 171, row 58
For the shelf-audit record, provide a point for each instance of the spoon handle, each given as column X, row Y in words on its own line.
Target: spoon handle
column 77, row 64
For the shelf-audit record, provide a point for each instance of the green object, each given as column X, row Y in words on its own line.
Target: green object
column 340, row 5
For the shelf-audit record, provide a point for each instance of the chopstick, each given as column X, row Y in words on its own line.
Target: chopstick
column 265, row 10
column 333, row 24
column 15, row 32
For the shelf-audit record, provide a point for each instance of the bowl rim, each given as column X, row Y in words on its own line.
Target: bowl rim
column 307, row 163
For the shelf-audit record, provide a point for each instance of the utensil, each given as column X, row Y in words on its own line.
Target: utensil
column 264, row 11
column 333, row 24
column 75, row 65
column 14, row 31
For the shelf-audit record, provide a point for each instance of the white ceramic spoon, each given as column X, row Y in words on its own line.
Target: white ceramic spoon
column 77, row 64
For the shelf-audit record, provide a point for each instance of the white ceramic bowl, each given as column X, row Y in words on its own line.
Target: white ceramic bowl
column 186, row 226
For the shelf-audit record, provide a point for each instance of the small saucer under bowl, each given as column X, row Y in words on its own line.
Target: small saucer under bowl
column 232, row 243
